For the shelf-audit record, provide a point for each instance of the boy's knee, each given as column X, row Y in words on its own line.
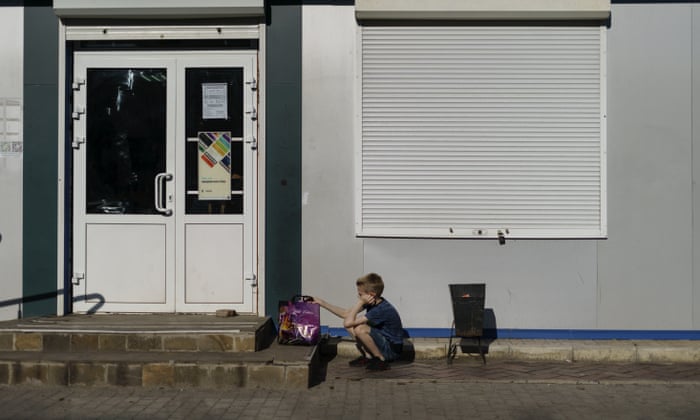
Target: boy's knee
column 362, row 329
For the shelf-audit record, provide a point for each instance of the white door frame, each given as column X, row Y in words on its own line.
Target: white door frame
column 247, row 60
column 176, row 62
column 68, row 33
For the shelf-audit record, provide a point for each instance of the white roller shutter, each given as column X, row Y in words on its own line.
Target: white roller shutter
column 471, row 130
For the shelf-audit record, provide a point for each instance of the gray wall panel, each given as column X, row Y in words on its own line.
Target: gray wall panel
column 11, row 31
column 641, row 277
column 527, row 281
column 645, row 265
column 696, row 166
column 332, row 256
column 10, row 236
column 529, row 284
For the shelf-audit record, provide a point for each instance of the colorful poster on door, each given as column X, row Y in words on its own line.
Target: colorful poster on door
column 214, row 165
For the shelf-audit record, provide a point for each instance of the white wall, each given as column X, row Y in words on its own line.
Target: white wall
column 641, row 278
column 529, row 284
column 12, row 34
column 645, row 267
column 696, row 170
column 331, row 255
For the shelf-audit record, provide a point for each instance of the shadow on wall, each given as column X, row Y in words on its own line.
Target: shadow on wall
column 43, row 296
column 490, row 326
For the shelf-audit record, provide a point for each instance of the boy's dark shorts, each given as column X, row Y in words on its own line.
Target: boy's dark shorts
column 390, row 351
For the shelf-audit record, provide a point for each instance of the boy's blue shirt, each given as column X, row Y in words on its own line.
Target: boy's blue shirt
column 385, row 318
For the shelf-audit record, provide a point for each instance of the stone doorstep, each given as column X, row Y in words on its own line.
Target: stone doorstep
column 623, row 351
column 276, row 368
column 131, row 342
column 138, row 332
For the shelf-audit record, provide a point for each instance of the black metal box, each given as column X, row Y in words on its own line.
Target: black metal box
column 468, row 309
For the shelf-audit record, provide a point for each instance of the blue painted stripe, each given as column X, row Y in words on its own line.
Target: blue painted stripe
column 550, row 334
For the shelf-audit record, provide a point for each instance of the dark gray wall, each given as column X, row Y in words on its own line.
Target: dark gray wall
column 283, row 154
column 40, row 159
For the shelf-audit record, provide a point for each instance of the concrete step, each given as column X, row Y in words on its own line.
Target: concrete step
column 153, row 350
column 615, row 351
column 288, row 367
column 138, row 333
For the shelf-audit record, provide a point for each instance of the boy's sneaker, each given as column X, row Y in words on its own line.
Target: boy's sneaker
column 359, row 362
column 378, row 364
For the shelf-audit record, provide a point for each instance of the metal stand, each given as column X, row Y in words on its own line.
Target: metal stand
column 468, row 320
column 452, row 347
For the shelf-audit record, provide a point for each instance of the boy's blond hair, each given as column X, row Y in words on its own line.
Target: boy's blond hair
column 371, row 283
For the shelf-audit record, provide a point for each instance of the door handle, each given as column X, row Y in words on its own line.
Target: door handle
column 159, row 183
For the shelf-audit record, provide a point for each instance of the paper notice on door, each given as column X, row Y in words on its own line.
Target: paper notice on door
column 214, row 101
column 214, row 165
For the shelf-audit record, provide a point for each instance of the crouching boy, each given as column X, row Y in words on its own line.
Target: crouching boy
column 378, row 332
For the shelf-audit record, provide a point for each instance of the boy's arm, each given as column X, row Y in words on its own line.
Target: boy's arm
column 351, row 319
column 336, row 310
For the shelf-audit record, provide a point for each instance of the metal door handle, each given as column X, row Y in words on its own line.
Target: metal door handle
column 159, row 182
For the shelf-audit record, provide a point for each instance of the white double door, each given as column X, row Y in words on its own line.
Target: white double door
column 164, row 181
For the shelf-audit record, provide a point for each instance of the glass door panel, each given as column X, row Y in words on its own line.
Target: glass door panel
column 126, row 131
column 124, row 119
column 164, row 185
column 214, row 143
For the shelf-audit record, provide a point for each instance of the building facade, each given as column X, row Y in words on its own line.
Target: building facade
column 230, row 154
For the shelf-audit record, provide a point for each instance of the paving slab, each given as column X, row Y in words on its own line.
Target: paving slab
column 351, row 399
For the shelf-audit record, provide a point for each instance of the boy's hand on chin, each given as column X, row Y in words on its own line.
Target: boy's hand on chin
column 369, row 299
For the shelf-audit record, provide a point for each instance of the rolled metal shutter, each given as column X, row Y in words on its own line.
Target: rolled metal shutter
column 472, row 131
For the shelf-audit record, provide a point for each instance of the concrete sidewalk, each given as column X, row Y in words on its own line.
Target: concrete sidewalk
column 616, row 351
column 358, row 399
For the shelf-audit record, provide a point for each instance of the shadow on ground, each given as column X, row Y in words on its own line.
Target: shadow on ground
column 327, row 351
